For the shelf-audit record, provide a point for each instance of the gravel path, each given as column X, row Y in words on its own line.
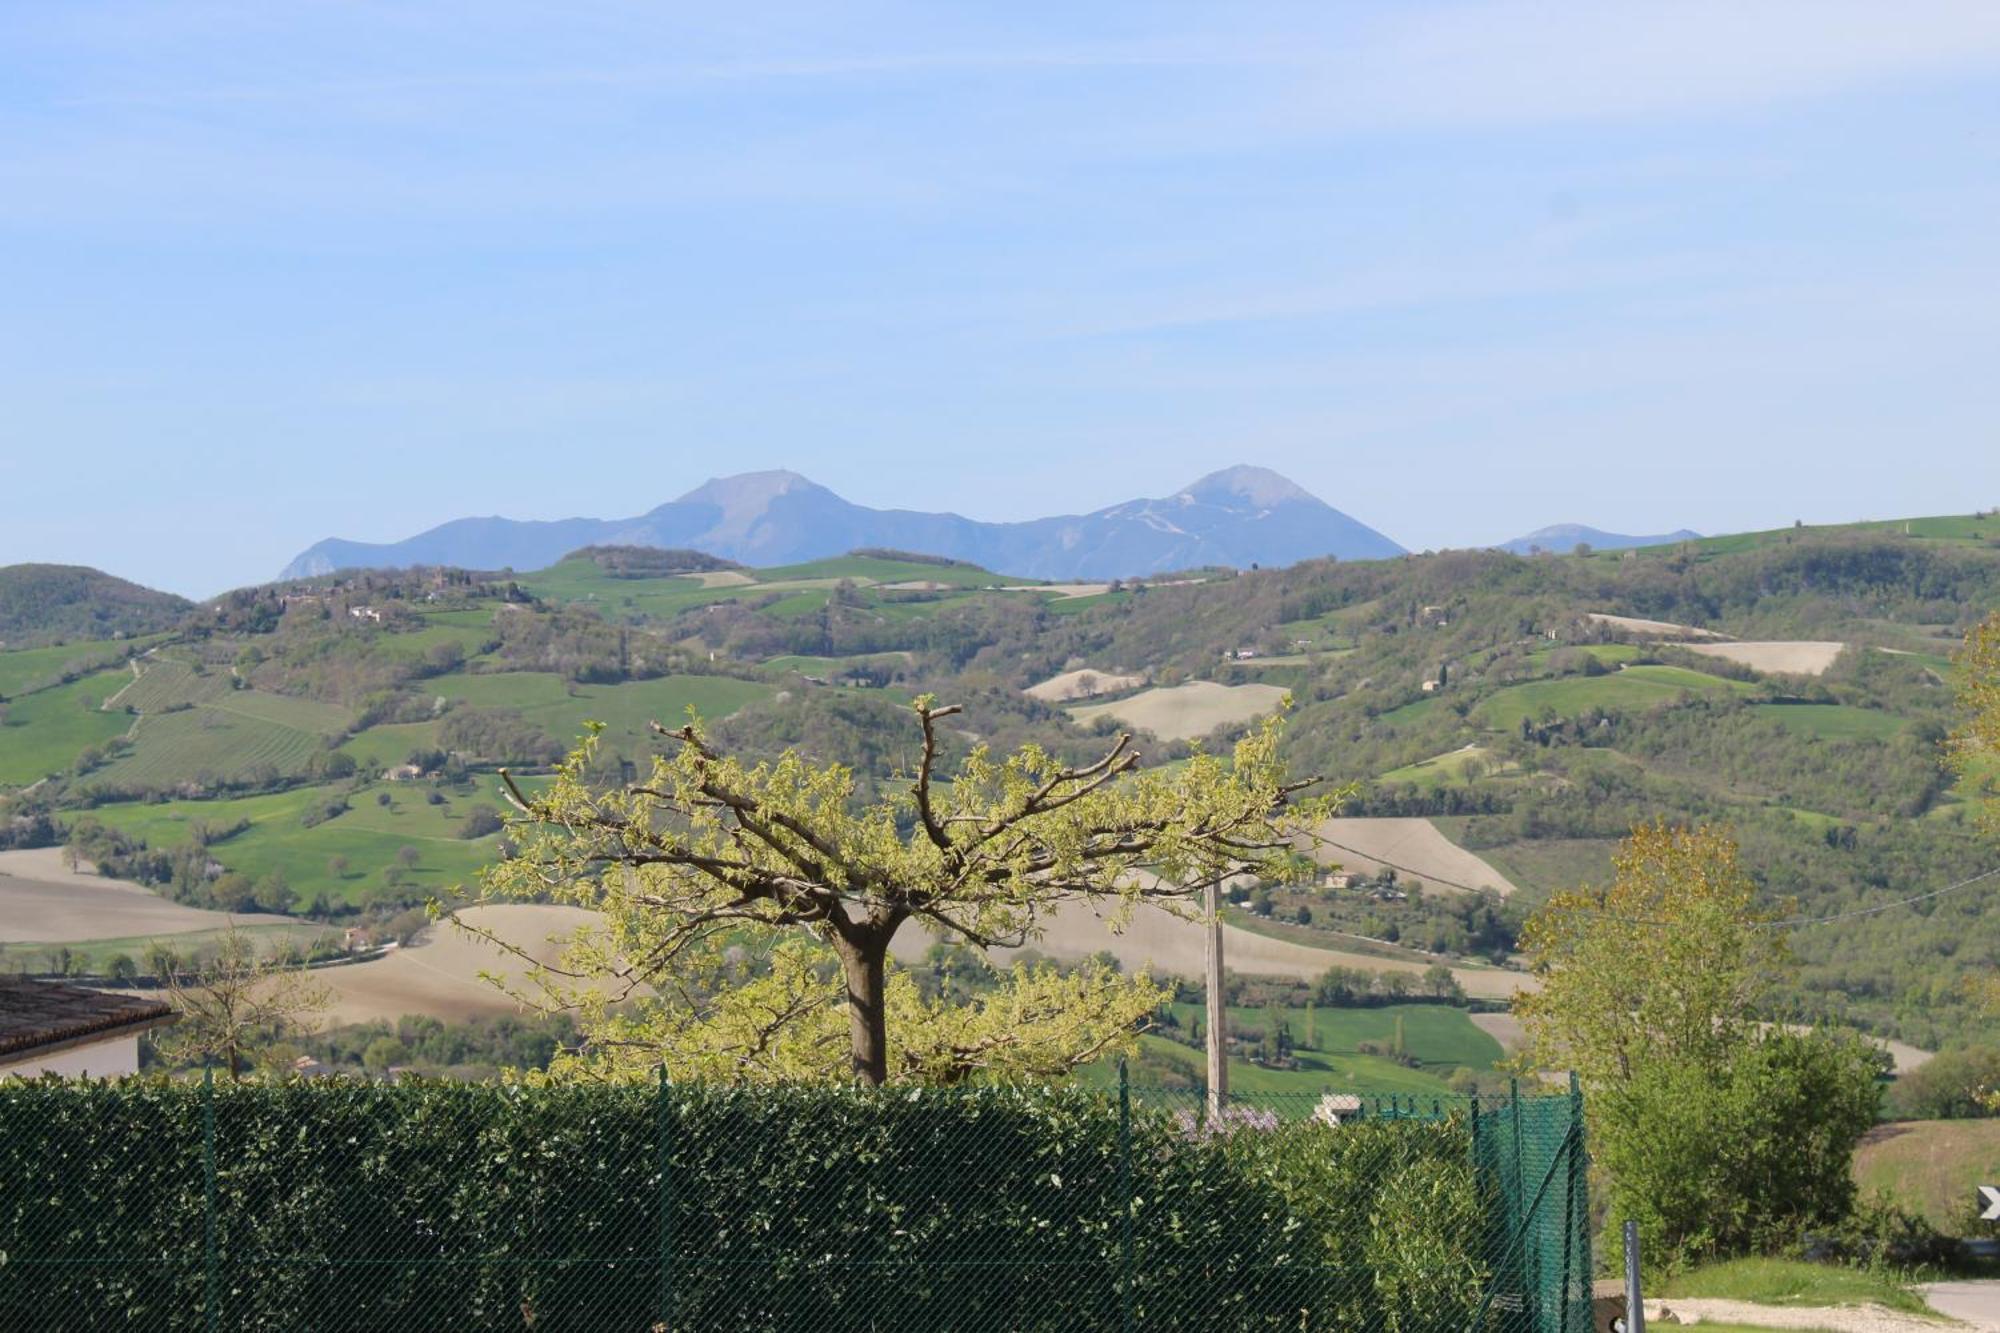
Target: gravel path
column 1830, row 1319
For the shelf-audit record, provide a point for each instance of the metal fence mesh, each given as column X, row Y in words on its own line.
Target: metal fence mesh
column 348, row 1205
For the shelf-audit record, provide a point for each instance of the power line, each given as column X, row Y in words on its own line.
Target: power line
column 1790, row 923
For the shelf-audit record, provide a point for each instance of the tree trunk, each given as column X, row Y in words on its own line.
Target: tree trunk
column 864, row 961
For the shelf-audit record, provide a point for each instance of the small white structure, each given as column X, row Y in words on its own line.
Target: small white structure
column 52, row 1027
column 1335, row 1107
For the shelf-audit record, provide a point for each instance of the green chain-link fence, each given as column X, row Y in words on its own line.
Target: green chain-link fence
column 151, row 1204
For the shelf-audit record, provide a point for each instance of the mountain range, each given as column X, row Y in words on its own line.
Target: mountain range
column 1562, row 538
column 1240, row 516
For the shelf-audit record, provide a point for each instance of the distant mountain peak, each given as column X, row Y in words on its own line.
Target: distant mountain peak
column 743, row 490
column 1259, row 486
column 1562, row 538
column 1239, row 516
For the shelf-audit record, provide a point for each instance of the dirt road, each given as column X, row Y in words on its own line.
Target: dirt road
column 1977, row 1303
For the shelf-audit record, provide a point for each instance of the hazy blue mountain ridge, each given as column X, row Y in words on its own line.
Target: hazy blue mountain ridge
column 1562, row 538
column 1239, row 516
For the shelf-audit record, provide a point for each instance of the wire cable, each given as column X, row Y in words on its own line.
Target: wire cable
column 1790, row 923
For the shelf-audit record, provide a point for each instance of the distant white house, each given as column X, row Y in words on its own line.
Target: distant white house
column 52, row 1027
column 1335, row 1107
column 364, row 613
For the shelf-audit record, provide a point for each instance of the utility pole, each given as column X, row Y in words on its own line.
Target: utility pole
column 1218, row 1016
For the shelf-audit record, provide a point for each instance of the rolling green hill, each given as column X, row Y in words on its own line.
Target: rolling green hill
column 44, row 733
column 1546, row 734
column 41, row 604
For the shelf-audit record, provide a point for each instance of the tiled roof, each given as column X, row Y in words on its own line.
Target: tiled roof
column 34, row 1014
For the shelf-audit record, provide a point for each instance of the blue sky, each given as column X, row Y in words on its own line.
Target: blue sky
column 275, row 272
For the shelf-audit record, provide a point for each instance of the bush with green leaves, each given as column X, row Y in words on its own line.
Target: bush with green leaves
column 1714, row 1163
column 351, row 1205
column 1952, row 1085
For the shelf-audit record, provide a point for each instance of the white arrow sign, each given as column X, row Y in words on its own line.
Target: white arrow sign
column 1990, row 1196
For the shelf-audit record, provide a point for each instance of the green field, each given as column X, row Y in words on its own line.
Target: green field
column 1317, row 657
column 624, row 709
column 166, row 682
column 208, row 742
column 824, row 666
column 1611, row 654
column 304, row 714
column 1437, row 1036
column 379, row 749
column 1833, row 722
column 478, row 617
column 1634, row 688
column 1541, row 866
column 1069, row 606
column 1447, row 767
column 95, row 956
column 1410, row 714
column 584, row 581
column 44, row 732
column 369, row 835
column 1366, row 1075
column 876, row 570
column 470, row 638
column 798, row 604
column 1958, row 529
column 667, row 595
column 1931, row 1166
column 26, row 668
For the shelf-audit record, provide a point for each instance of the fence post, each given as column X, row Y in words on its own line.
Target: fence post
column 211, row 1271
column 1572, row 1229
column 1525, row 1275
column 1635, row 1305
column 1586, row 1261
column 1125, row 1195
column 662, row 1130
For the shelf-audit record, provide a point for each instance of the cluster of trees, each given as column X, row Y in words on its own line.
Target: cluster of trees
column 473, row 1048
column 41, row 604
column 498, row 736
column 1956, row 1084
column 1401, row 911
column 647, row 562
column 1347, row 986
column 1719, row 1134
column 187, row 873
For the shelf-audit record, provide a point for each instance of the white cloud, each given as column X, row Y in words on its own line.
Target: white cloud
column 1519, row 62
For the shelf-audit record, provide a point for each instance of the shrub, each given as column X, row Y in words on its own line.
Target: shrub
column 482, row 821
column 1951, row 1085
column 1717, row 1165
column 823, row 1208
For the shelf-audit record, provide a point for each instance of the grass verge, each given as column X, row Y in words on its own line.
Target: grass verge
column 1793, row 1282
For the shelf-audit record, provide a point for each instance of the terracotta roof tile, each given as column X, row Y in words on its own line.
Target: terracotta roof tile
column 45, row 1013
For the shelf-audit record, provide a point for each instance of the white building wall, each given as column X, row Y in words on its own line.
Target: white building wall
column 99, row 1059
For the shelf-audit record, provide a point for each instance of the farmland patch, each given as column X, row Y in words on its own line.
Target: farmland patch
column 1414, row 848
column 42, row 900
column 1184, row 712
column 1083, row 683
column 1794, row 657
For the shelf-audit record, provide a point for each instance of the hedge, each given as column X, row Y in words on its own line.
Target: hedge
column 341, row 1204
